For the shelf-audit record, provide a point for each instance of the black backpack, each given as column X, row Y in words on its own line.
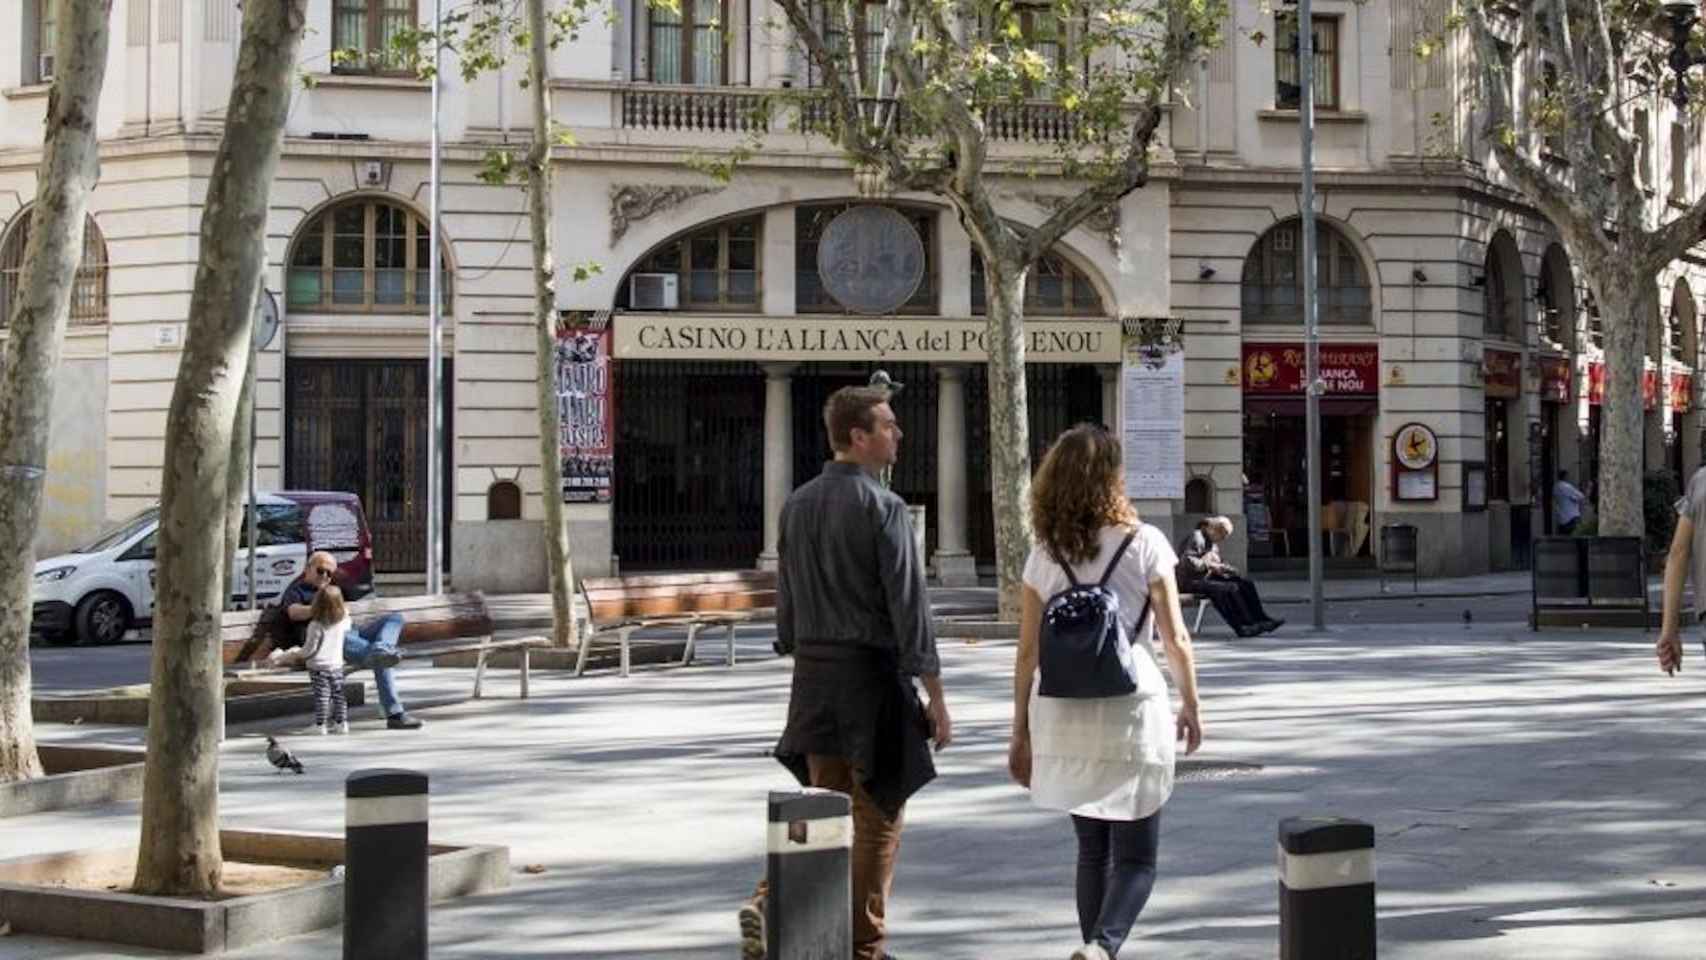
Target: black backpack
column 1083, row 650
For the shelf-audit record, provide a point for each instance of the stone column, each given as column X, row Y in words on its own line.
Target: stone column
column 778, row 454
column 955, row 566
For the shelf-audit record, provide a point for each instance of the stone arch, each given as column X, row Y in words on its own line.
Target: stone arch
column 1555, row 298
column 1270, row 288
column 89, row 290
column 1501, row 283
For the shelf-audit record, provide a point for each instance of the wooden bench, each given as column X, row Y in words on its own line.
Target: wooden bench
column 433, row 625
column 621, row 605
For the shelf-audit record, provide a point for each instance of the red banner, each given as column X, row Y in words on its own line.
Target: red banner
column 1649, row 389
column 1502, row 373
column 1348, row 369
column 588, row 411
column 1681, row 392
column 1555, row 380
column 1596, row 383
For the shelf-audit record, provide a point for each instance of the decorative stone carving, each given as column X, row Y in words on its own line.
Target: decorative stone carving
column 1105, row 221
column 632, row 202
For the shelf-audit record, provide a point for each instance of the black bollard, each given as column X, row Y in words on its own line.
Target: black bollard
column 809, row 912
column 1326, row 890
column 385, row 865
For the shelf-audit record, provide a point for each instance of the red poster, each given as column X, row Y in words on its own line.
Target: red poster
column 1596, row 383
column 1555, row 380
column 587, row 410
column 1681, row 392
column 1349, row 369
column 1649, row 389
column 1502, row 373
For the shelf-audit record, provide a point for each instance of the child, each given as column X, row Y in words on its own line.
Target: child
column 323, row 651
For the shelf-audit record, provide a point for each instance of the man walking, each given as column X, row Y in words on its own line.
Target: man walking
column 853, row 609
column 1566, row 504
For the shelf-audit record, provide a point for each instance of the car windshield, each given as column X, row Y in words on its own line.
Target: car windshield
column 119, row 534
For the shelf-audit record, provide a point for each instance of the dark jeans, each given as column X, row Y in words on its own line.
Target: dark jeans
column 1116, row 871
column 1235, row 598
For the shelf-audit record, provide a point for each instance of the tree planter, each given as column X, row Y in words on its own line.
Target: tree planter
column 76, row 776
column 245, row 700
column 41, row 894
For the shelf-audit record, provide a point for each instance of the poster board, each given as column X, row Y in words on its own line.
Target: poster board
column 587, row 410
column 1152, row 419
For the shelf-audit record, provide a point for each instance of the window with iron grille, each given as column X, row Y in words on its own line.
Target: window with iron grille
column 1272, row 285
column 809, row 293
column 716, row 267
column 867, row 40
column 89, row 293
column 39, row 30
column 687, row 45
column 364, row 32
column 365, row 255
column 1053, row 286
column 1287, row 76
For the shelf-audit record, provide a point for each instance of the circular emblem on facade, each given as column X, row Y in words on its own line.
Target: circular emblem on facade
column 1415, row 446
column 870, row 259
column 1260, row 369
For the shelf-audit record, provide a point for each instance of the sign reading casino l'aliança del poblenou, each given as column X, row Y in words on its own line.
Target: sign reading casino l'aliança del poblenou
column 652, row 336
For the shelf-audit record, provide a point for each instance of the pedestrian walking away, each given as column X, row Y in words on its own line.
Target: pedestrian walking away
column 1202, row 571
column 853, row 610
column 1107, row 760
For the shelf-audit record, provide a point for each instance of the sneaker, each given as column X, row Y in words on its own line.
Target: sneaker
column 343, row 727
column 381, row 659
column 753, row 942
column 1272, row 624
column 321, row 730
column 401, row 721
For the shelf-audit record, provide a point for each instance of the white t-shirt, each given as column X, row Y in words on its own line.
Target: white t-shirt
column 323, row 648
column 1110, row 758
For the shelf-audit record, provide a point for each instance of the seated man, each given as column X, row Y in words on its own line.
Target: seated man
column 373, row 645
column 1201, row 571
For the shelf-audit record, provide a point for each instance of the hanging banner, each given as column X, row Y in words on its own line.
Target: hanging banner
column 1681, row 392
column 1152, row 416
column 587, row 410
column 1555, row 380
column 1596, row 383
column 1502, row 373
column 1348, row 369
column 1649, row 389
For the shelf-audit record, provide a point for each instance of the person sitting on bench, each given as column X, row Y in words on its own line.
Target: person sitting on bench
column 1201, row 571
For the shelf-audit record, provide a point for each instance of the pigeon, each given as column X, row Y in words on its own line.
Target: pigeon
column 281, row 758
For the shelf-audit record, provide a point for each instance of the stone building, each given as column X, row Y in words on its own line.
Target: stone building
column 1446, row 300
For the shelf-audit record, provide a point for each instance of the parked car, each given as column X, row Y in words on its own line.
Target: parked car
column 94, row 594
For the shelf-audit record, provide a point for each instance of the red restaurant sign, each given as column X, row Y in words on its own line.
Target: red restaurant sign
column 1555, row 380
column 1349, row 369
column 1681, row 392
column 1502, row 371
column 1649, row 386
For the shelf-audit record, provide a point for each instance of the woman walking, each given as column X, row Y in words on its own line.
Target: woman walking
column 1108, row 761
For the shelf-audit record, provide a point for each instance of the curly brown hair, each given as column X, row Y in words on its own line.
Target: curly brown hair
column 1077, row 491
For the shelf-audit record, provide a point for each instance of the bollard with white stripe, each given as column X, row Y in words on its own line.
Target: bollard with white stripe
column 1326, row 890
column 385, row 865
column 808, row 915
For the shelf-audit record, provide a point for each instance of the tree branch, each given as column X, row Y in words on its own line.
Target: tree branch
column 843, row 100
column 1675, row 238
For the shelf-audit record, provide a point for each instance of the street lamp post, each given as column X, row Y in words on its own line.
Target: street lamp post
column 1311, row 328
column 1683, row 14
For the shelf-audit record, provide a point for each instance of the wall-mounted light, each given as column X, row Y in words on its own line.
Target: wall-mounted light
column 1418, row 276
column 1478, row 280
column 1204, row 271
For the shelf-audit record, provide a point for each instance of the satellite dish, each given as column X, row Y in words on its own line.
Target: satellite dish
column 266, row 319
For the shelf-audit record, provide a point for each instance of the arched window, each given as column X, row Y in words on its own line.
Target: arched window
column 1273, row 278
column 365, row 255
column 1053, row 286
column 88, row 296
column 1199, row 495
column 715, row 268
column 1501, row 289
column 503, row 501
column 1555, row 298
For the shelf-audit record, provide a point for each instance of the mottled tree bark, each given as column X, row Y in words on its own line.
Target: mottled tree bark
column 557, row 555
column 69, row 168
column 179, row 852
column 1626, row 298
column 1009, row 433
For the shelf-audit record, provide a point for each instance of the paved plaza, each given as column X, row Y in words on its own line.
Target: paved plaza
column 1535, row 796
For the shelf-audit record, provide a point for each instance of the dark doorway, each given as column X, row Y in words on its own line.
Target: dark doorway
column 1276, row 460
column 689, row 486
column 360, row 426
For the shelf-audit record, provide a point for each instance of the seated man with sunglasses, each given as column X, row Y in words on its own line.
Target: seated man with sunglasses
column 373, row 645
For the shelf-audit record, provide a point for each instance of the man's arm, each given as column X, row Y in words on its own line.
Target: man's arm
column 901, row 574
column 784, row 599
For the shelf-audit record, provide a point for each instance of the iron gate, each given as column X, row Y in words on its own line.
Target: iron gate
column 360, row 426
column 689, row 487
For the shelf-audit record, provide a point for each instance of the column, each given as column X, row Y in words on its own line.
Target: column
column 955, row 566
column 778, row 454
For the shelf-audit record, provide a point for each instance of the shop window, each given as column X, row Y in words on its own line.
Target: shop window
column 1199, row 495
column 367, row 256
column 1498, row 450
column 364, row 34
column 1053, row 286
column 809, row 293
column 716, row 267
column 503, row 501
column 687, row 44
column 89, row 293
column 1272, row 286
column 1288, row 92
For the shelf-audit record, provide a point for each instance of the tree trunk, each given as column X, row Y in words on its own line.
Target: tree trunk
column 179, row 853
column 1009, row 426
column 69, row 168
column 1626, row 299
column 557, row 554
column 237, row 481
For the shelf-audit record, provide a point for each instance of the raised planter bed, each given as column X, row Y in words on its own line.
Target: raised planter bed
column 260, row 698
column 76, row 776
column 281, row 887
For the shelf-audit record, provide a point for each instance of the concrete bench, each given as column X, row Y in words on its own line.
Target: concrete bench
column 618, row 606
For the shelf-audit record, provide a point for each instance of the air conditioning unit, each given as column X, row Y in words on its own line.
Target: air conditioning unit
column 653, row 291
column 44, row 68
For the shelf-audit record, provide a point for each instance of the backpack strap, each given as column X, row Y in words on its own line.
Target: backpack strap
column 1062, row 564
column 1114, row 561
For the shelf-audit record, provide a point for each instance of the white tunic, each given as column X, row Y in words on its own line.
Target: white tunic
column 1111, row 758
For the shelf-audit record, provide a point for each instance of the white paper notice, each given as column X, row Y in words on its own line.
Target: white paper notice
column 1152, row 411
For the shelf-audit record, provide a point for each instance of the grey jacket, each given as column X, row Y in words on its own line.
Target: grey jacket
column 1196, row 553
column 849, row 574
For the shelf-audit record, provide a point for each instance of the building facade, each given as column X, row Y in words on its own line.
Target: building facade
column 1447, row 301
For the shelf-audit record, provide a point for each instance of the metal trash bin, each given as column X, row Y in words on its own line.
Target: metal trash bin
column 1399, row 554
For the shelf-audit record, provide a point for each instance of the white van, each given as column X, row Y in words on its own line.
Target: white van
column 95, row 593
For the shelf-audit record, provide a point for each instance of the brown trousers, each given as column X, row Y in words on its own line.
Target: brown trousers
column 876, row 841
